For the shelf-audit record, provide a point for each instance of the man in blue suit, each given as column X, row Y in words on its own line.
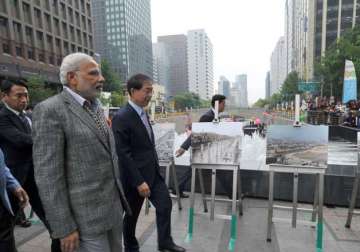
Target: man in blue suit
column 9, row 204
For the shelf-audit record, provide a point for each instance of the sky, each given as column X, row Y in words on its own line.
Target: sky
column 243, row 33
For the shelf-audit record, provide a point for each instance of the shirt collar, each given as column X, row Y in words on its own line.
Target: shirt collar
column 137, row 108
column 13, row 110
column 76, row 96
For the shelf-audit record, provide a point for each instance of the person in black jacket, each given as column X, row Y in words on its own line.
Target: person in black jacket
column 16, row 143
column 222, row 176
column 140, row 165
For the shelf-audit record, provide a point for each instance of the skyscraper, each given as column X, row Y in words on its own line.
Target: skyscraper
column 36, row 35
column 278, row 66
column 241, row 85
column 267, row 86
column 224, row 86
column 176, row 52
column 161, row 64
column 200, row 63
column 123, row 35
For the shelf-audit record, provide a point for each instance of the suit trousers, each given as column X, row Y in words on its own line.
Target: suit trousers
column 111, row 241
column 35, row 202
column 7, row 224
column 160, row 198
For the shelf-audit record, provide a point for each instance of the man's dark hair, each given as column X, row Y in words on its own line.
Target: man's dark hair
column 8, row 84
column 217, row 97
column 136, row 82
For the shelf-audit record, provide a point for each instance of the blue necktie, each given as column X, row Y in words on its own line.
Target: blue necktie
column 145, row 121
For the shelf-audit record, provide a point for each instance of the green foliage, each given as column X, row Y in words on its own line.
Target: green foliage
column 330, row 68
column 290, row 87
column 188, row 100
column 117, row 99
column 261, row 103
column 112, row 80
column 39, row 90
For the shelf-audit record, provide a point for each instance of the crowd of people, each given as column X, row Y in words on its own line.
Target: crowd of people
column 85, row 180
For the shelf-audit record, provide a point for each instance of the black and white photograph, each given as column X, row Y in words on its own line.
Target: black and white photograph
column 216, row 143
column 297, row 146
column 164, row 134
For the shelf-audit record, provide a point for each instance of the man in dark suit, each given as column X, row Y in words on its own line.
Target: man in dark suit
column 207, row 117
column 16, row 142
column 16, row 195
column 140, row 165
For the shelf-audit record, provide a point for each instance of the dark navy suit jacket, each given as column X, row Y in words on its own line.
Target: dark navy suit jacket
column 136, row 149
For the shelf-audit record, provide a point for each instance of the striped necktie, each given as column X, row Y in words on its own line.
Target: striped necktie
column 99, row 118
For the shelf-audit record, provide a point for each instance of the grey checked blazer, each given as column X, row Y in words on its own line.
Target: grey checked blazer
column 76, row 169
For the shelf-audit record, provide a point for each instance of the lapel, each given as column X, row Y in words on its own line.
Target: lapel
column 140, row 122
column 85, row 117
column 16, row 121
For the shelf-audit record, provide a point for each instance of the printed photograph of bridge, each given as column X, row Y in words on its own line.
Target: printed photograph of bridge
column 300, row 146
column 216, row 143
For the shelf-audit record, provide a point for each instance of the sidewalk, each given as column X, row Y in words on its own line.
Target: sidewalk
column 251, row 236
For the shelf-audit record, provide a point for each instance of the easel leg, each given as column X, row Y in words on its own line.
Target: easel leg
column 191, row 209
column 213, row 188
column 320, row 225
column 202, row 188
column 239, row 193
column 176, row 184
column 270, row 207
column 232, row 242
column 353, row 200
column 316, row 198
column 295, row 199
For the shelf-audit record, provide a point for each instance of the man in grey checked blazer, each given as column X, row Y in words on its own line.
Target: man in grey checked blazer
column 76, row 166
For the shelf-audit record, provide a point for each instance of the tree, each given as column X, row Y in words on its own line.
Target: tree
column 290, row 87
column 330, row 68
column 112, row 80
column 117, row 99
column 187, row 100
column 39, row 90
column 261, row 103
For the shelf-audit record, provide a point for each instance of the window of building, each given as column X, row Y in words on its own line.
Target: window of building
column 31, row 53
column 27, row 14
column 49, row 43
column 77, row 4
column 37, row 17
column 83, row 23
column 77, row 18
column 70, row 12
column 89, row 26
column 29, row 36
column 66, row 48
column 17, row 32
column 63, row 10
column 88, row 8
column 15, row 9
column 73, row 48
column 58, row 46
column 47, row 4
column 3, row 6
column 72, row 33
column 4, row 28
column 36, row 2
column 85, row 40
column 47, row 22
column 55, row 6
column 78, row 36
column 57, row 27
column 65, row 31
column 82, row 6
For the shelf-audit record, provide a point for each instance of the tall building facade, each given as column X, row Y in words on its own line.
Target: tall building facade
column 36, row 35
column 161, row 64
column 200, row 63
column 241, row 85
column 278, row 66
column 267, row 86
column 312, row 26
column 123, row 35
column 224, row 86
column 177, row 72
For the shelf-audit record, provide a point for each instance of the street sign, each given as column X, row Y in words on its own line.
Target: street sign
column 309, row 86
